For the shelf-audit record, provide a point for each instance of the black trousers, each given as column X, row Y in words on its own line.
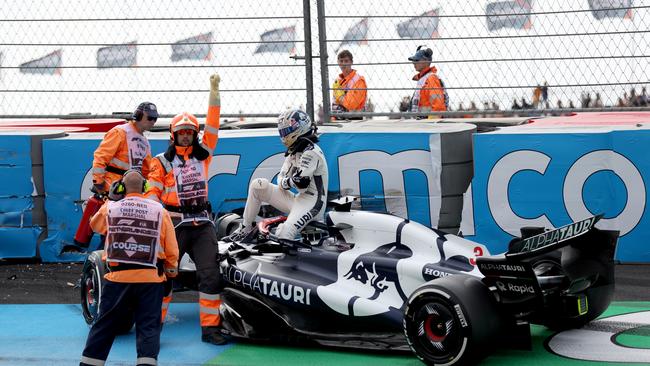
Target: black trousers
column 200, row 242
column 117, row 300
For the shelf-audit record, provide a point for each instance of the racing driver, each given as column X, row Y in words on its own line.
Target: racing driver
column 304, row 169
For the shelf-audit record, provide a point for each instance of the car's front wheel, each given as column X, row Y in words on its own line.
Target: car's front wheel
column 92, row 277
column 452, row 321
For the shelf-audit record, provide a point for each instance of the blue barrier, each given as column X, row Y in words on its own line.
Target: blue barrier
column 19, row 242
column 18, row 233
column 523, row 177
column 15, row 166
column 537, row 177
column 378, row 166
column 16, row 211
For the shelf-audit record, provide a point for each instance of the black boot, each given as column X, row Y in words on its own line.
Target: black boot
column 213, row 335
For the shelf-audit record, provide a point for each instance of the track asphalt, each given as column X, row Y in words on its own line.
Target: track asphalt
column 41, row 324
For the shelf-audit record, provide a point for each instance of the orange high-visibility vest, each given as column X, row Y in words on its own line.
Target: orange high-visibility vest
column 353, row 99
column 430, row 94
column 123, row 148
column 167, row 253
column 187, row 173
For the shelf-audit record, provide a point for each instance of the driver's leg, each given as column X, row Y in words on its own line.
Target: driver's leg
column 305, row 209
column 261, row 190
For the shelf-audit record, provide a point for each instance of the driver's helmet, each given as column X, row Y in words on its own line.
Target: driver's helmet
column 293, row 124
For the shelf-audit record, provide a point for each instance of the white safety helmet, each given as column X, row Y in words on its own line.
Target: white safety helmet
column 292, row 124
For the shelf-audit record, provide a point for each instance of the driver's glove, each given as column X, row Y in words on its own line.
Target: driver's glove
column 300, row 182
column 285, row 183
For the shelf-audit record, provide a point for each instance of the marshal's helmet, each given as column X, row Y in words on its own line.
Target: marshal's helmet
column 293, row 124
column 183, row 121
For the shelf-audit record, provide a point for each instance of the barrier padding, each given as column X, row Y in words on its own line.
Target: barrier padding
column 16, row 212
column 15, row 166
column 377, row 164
column 19, row 242
column 550, row 177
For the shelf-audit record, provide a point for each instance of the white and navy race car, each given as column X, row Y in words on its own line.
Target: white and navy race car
column 377, row 281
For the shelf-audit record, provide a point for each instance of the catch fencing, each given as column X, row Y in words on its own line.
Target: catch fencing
column 495, row 57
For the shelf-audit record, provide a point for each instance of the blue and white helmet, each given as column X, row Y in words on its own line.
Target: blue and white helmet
column 292, row 124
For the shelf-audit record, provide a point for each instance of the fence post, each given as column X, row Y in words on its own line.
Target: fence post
column 309, row 72
column 322, row 45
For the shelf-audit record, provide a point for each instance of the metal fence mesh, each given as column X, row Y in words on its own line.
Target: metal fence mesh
column 494, row 54
column 96, row 71
column 103, row 57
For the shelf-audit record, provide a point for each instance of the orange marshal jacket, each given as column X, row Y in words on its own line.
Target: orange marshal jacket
column 430, row 94
column 162, row 181
column 168, row 253
column 352, row 100
column 113, row 151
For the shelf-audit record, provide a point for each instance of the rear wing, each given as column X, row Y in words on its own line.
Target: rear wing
column 551, row 240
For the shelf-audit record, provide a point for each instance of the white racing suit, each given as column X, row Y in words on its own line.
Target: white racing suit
column 306, row 171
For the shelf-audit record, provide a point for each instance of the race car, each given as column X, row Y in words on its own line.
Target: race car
column 377, row 281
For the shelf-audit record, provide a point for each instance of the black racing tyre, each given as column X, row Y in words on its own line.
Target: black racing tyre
column 597, row 274
column 92, row 276
column 227, row 224
column 452, row 321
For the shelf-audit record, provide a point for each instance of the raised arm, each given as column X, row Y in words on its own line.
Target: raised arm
column 211, row 132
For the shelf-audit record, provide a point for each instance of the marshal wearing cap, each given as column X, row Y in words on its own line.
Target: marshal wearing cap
column 147, row 107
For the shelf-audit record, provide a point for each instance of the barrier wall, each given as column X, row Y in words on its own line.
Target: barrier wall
column 22, row 195
column 419, row 173
column 524, row 176
column 537, row 176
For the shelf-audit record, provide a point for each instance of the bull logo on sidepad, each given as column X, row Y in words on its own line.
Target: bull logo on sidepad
column 370, row 284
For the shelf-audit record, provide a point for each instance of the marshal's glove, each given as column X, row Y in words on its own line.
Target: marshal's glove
column 99, row 188
column 171, row 272
column 215, row 98
column 338, row 92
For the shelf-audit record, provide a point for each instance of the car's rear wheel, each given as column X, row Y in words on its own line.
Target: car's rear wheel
column 451, row 321
column 590, row 274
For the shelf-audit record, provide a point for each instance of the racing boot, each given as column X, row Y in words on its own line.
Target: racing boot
column 213, row 335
